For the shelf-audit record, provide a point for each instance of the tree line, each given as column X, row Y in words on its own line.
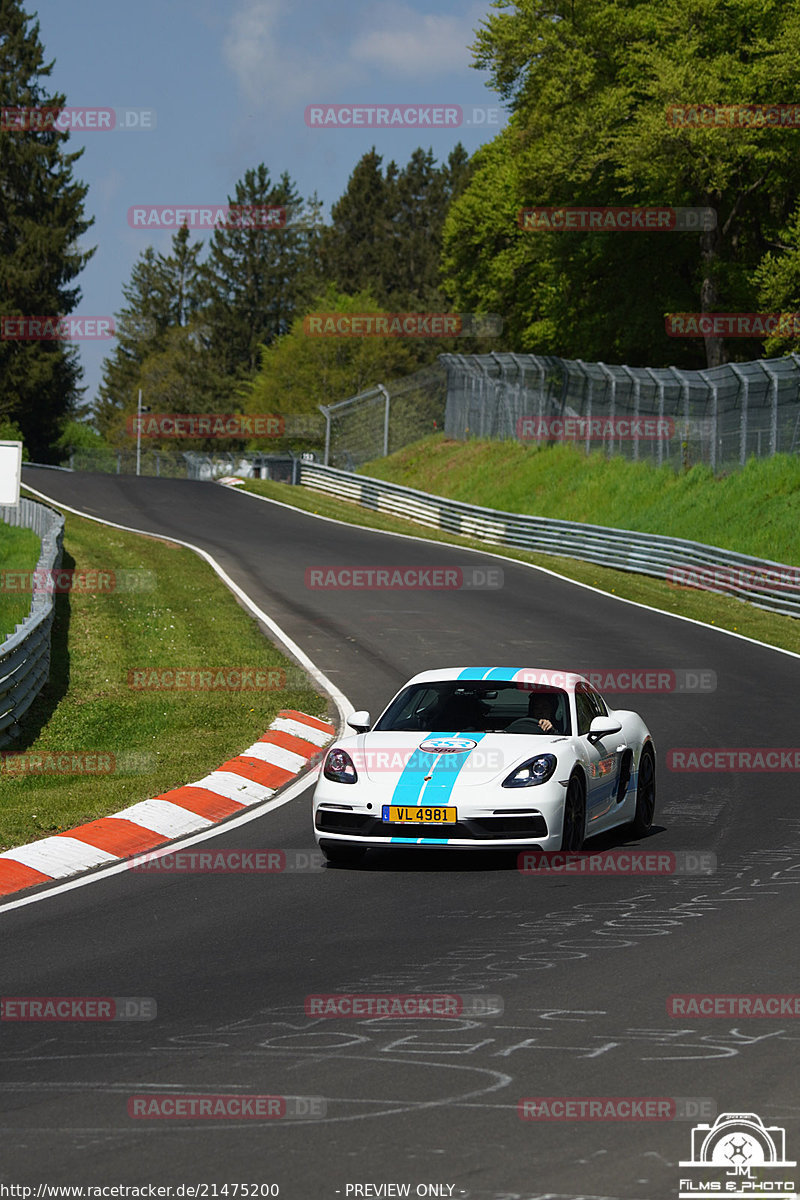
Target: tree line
column 217, row 325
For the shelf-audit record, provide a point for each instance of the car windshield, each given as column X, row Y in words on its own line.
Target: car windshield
column 480, row 706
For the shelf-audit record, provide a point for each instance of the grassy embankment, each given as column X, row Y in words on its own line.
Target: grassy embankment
column 158, row 739
column 19, row 551
column 754, row 511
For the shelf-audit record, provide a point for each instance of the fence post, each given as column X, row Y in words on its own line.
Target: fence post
column 683, row 395
column 612, row 402
column 326, row 412
column 381, row 388
column 744, row 380
column 773, row 419
column 636, row 389
column 714, row 418
column 587, row 388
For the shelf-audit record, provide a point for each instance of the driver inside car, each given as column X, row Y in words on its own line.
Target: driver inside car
column 542, row 708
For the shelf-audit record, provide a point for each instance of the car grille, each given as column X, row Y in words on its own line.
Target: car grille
column 484, row 829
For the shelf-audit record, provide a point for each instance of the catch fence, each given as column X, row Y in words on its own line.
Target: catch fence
column 720, row 416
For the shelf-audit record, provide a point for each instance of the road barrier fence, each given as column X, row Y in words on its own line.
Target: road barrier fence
column 720, row 416
column 25, row 654
column 766, row 584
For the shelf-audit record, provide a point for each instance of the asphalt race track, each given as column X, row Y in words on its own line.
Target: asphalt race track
column 584, row 965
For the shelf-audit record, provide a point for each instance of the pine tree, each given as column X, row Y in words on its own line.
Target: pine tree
column 162, row 296
column 386, row 230
column 41, row 221
column 256, row 279
column 357, row 247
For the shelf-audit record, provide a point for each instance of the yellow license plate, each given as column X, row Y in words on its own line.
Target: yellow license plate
column 405, row 815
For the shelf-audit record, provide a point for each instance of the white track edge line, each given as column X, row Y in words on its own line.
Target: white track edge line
column 509, row 558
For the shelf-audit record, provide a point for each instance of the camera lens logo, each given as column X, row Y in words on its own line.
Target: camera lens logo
column 742, row 1153
column 448, row 745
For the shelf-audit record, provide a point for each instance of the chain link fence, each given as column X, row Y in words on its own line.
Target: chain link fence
column 188, row 464
column 720, row 416
column 170, row 464
column 385, row 418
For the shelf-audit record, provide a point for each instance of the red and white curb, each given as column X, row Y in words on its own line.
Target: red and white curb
column 251, row 777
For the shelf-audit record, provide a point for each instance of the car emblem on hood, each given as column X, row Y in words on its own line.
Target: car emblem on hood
column 448, row 745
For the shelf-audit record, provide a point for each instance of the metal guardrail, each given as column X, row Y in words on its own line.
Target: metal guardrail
column 25, row 655
column 761, row 582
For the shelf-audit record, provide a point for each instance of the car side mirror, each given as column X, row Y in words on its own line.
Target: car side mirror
column 603, row 727
column 360, row 721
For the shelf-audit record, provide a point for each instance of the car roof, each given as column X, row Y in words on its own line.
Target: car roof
column 542, row 676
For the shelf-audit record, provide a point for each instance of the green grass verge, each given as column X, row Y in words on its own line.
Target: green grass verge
column 19, row 551
column 755, row 510
column 158, row 739
column 724, row 612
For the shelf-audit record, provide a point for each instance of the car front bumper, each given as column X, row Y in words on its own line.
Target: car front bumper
column 529, row 817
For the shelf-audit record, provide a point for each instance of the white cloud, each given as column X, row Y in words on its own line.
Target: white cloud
column 414, row 44
column 268, row 74
column 391, row 39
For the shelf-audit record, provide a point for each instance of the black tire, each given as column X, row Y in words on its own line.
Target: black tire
column 574, row 828
column 347, row 856
column 642, row 821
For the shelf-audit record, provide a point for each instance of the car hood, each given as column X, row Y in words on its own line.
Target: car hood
column 453, row 761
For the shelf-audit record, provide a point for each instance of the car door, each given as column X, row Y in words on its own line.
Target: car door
column 604, row 757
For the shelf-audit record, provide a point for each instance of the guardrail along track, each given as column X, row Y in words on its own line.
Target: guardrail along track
column 766, row 584
column 25, row 655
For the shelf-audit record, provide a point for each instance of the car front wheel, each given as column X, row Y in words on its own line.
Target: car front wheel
column 574, row 828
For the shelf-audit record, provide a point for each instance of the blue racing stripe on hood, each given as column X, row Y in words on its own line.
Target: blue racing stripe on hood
column 444, row 769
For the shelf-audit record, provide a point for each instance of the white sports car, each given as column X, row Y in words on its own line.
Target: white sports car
column 488, row 757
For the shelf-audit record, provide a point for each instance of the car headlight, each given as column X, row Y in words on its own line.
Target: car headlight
column 535, row 770
column 339, row 767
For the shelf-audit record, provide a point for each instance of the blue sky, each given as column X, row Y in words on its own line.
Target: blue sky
column 229, row 84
